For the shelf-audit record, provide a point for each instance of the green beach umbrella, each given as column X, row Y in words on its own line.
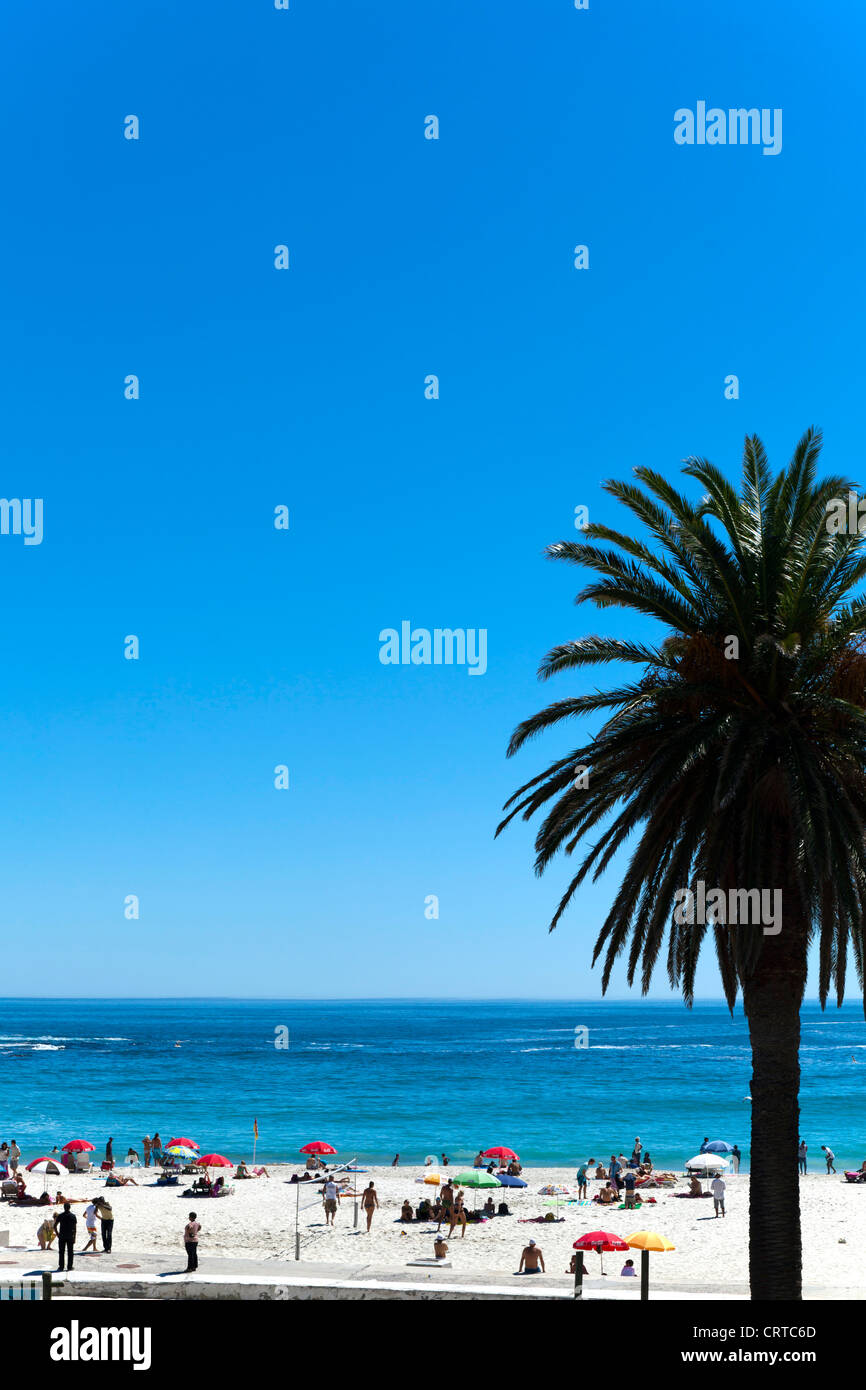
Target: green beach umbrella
column 477, row 1177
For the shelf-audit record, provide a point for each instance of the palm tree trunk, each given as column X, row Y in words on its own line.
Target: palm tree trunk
column 772, row 999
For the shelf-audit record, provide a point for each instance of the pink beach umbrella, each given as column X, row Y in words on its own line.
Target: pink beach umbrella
column 318, row 1147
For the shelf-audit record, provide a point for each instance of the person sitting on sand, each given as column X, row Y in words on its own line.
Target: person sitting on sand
column 423, row 1210
column 503, row 1209
column 601, row 1172
column 572, row 1268
column 440, row 1247
column 628, row 1270
column 607, row 1195
column 489, row 1207
column 479, row 1160
column 406, row 1212
column 695, row 1189
column 242, row 1171
column 217, row 1190
column 260, row 1173
column 436, row 1211
column 531, row 1258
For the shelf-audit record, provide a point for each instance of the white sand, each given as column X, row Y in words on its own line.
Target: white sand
column 258, row 1222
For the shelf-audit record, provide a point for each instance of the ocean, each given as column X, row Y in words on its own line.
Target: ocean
column 416, row 1077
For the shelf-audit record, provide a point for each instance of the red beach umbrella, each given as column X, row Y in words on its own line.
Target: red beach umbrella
column 318, row 1147
column 44, row 1159
column 78, row 1146
column 186, row 1143
column 214, row 1161
column 501, row 1153
column 600, row 1241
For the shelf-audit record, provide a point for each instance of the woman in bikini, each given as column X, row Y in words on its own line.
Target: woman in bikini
column 458, row 1215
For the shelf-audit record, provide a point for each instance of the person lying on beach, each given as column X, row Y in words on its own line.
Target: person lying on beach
column 406, row 1212
column 530, row 1259
column 261, row 1173
column 115, row 1180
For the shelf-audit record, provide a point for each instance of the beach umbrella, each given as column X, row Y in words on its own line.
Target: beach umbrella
column 505, row 1181
column 317, row 1147
column 600, row 1241
column 706, row 1163
column 182, row 1151
column 182, row 1143
column 433, row 1178
column 500, row 1152
column 78, row 1146
column 645, row 1241
column 47, row 1167
column 719, row 1146
column 214, row 1161
column 477, row 1177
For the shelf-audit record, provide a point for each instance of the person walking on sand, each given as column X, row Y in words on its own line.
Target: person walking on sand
column 829, row 1155
column 146, row 1146
column 530, row 1259
column 801, row 1155
column 735, row 1158
column 65, row 1223
column 717, row 1187
column 370, row 1202
column 190, row 1240
column 581, row 1177
column 14, row 1155
column 331, row 1198
column 90, row 1223
column 109, row 1151
column 106, row 1222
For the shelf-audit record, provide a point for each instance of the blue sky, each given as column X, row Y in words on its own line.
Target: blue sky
column 306, row 388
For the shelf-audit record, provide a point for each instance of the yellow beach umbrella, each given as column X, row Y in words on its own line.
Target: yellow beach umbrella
column 433, row 1178
column 645, row 1241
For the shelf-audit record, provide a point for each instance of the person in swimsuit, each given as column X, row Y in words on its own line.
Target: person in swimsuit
column 458, row 1215
column 446, row 1197
column 370, row 1202
column 530, row 1259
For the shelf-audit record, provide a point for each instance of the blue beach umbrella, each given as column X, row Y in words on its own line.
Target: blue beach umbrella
column 507, row 1181
column 719, row 1146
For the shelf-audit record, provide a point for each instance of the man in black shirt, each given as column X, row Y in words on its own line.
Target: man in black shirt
column 64, row 1224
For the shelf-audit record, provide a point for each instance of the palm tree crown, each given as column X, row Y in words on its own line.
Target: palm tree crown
column 737, row 754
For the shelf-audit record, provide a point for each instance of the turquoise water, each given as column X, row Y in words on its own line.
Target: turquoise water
column 417, row 1077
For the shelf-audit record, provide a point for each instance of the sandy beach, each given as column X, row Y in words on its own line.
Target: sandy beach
column 258, row 1222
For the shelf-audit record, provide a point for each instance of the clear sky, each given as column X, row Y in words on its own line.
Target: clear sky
column 306, row 387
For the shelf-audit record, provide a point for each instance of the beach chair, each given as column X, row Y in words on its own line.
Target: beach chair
column 82, row 1163
column 8, row 1189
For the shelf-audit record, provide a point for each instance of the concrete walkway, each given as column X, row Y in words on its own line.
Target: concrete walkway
column 157, row 1275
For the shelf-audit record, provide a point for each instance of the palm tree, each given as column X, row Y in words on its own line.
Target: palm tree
column 735, row 758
